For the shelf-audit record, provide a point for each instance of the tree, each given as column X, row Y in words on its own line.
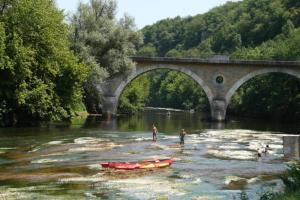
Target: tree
column 102, row 43
column 40, row 78
column 148, row 50
column 288, row 28
column 135, row 96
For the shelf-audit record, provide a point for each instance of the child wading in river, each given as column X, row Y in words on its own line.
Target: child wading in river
column 154, row 133
column 181, row 136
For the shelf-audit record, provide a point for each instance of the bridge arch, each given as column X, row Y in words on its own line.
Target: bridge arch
column 253, row 74
column 144, row 70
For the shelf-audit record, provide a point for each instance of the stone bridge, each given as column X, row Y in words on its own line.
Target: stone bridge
column 219, row 77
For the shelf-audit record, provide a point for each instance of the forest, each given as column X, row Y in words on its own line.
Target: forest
column 50, row 64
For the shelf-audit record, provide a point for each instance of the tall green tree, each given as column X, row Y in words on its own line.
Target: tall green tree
column 40, row 78
column 103, row 43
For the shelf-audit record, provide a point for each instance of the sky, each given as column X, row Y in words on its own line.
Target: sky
column 147, row 12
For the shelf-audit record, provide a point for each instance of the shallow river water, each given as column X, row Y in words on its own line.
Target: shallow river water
column 218, row 161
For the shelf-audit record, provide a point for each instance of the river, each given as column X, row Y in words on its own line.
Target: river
column 217, row 161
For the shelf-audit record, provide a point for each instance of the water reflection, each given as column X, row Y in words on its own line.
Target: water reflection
column 175, row 121
column 218, row 125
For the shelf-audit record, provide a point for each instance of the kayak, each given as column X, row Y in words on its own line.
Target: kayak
column 147, row 164
column 120, row 165
column 156, row 164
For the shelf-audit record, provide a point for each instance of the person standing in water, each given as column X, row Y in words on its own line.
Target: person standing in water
column 181, row 136
column 154, row 133
column 266, row 149
column 259, row 153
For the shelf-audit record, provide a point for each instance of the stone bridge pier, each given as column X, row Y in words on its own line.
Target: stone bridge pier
column 219, row 78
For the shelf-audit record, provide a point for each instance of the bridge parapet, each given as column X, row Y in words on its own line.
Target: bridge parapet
column 218, row 59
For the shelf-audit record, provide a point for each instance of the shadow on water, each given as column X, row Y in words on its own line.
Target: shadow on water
column 262, row 125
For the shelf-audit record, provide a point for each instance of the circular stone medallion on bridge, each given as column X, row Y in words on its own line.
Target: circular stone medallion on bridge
column 219, row 79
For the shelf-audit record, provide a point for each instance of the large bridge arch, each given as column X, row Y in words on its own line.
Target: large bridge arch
column 143, row 70
column 254, row 74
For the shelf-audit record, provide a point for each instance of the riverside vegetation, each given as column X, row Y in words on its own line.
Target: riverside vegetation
column 50, row 64
column 40, row 78
column 49, row 68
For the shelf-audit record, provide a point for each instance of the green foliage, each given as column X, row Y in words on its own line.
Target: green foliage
column 289, row 196
column 268, row 195
column 148, row 50
column 5, row 118
column 275, row 96
column 288, row 28
column 171, row 89
column 283, row 47
column 235, row 25
column 40, row 78
column 135, row 96
column 175, row 89
column 102, row 43
column 164, row 35
column 292, row 179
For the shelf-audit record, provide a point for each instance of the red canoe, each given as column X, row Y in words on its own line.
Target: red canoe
column 147, row 164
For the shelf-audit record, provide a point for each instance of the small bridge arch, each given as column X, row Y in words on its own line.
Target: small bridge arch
column 256, row 73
